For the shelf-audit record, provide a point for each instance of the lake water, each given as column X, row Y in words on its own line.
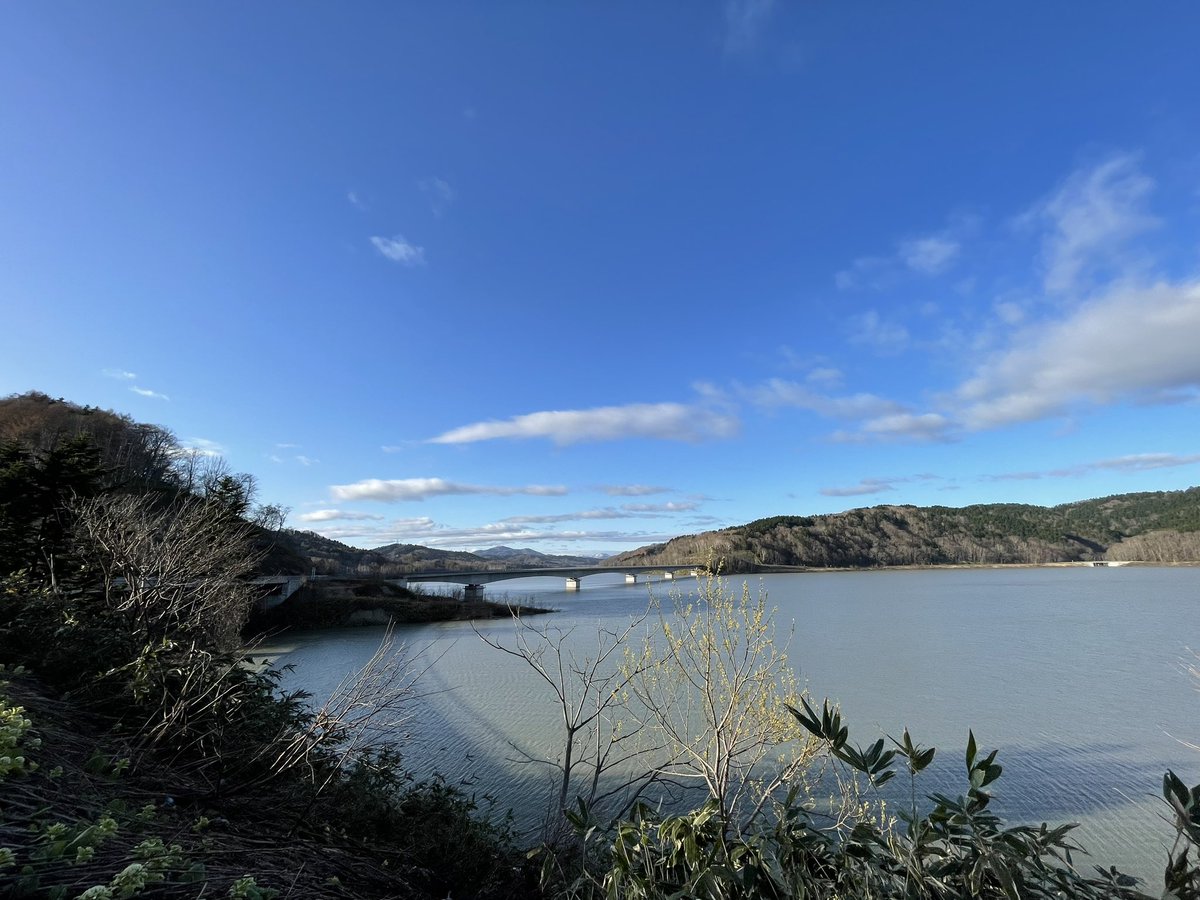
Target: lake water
column 1075, row 674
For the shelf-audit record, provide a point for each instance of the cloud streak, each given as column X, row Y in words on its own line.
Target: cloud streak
column 864, row 487
column 1090, row 217
column 657, row 421
column 634, row 490
column 146, row 392
column 744, row 23
column 331, row 515
column 1136, row 462
column 398, row 250
column 404, row 490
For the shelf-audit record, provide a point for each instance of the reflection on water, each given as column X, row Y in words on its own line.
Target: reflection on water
column 1073, row 673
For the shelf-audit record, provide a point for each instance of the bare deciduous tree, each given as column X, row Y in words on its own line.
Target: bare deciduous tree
column 172, row 570
column 604, row 760
column 719, row 699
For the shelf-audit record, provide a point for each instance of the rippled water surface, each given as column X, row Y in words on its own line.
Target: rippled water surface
column 1074, row 673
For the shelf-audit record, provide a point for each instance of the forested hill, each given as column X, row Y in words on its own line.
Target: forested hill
column 1152, row 527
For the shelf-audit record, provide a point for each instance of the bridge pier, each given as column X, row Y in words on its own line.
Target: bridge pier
column 668, row 576
column 473, row 592
column 630, row 579
column 573, row 583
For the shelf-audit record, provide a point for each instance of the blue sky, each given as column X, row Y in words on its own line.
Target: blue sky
column 585, row 276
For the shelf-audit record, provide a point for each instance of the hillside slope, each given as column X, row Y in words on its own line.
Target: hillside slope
column 1153, row 527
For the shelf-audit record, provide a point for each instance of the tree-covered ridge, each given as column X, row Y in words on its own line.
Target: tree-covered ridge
column 1161, row 526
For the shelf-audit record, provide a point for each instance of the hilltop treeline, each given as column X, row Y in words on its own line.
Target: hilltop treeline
column 1162, row 527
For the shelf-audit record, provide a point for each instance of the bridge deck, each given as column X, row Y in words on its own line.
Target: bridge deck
column 491, row 577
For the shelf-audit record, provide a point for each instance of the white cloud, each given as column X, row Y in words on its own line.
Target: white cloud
column 634, row 490
column 1010, row 313
column 1135, row 462
column 870, row 328
column 866, row 271
column 826, row 377
column 1142, row 462
column 1137, row 343
column 1091, row 215
column 903, row 426
column 780, row 393
column 411, row 489
column 660, row 421
column 865, row 486
column 119, row 374
column 330, row 515
column 439, row 191
column 146, row 392
column 397, row 249
column 581, row 515
column 201, row 447
column 928, row 255
column 672, row 506
column 744, row 22
column 306, row 460
column 355, row 201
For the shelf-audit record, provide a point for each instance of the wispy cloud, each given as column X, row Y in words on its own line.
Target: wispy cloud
column 928, row 255
column 1136, row 343
column 119, row 374
column 412, row 489
column 1089, row 219
column 672, row 506
column 901, row 427
column 355, row 200
column 439, row 192
column 864, row 487
column 826, row 377
column 306, row 460
column 397, row 249
column 1136, row 462
column 429, row 533
column 625, row 512
column 744, row 23
column 331, row 515
column 198, row 446
column 146, row 392
column 867, row 486
column 634, row 490
column 659, row 421
column 872, row 329
column 778, row 392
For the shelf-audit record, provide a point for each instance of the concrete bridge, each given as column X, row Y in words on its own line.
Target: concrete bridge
column 280, row 587
column 473, row 582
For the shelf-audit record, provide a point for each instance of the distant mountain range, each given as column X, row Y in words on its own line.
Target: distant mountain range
column 330, row 557
column 1161, row 527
